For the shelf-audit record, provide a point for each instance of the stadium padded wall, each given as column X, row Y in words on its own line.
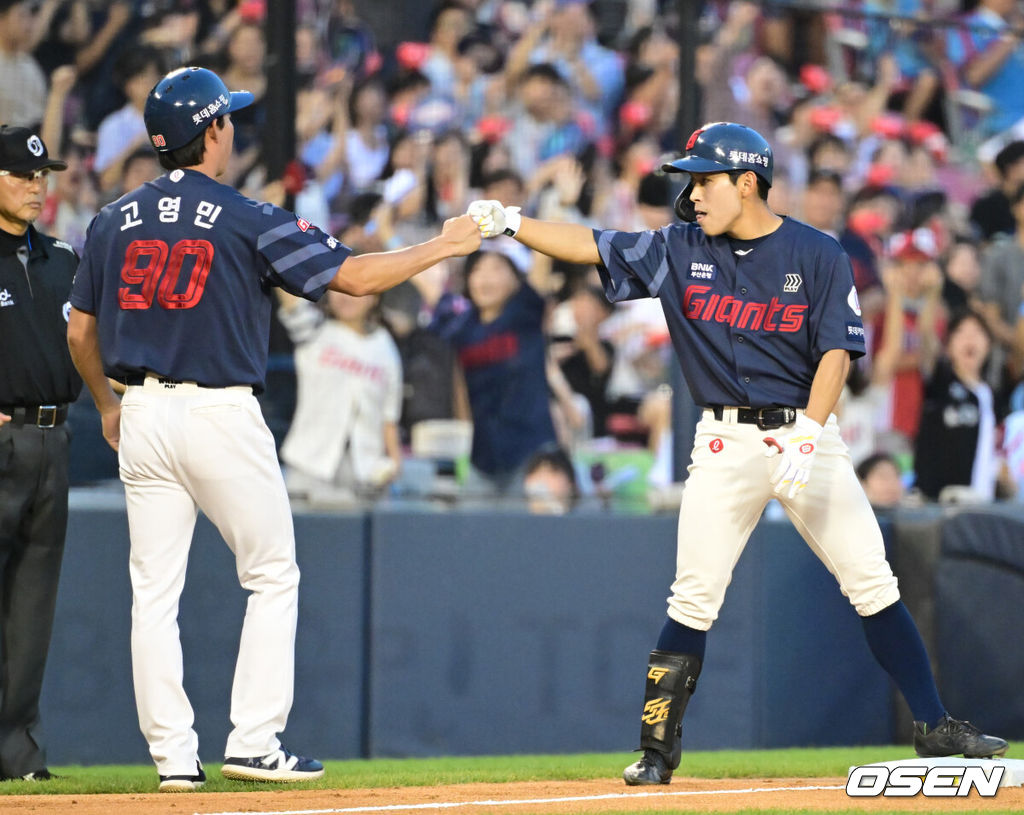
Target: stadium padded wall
column 461, row 633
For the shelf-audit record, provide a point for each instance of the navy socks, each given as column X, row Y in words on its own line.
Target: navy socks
column 682, row 639
column 896, row 644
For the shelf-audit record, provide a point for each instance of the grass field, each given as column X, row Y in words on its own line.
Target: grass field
column 830, row 762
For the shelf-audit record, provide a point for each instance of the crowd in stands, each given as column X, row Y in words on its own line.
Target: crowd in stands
column 898, row 128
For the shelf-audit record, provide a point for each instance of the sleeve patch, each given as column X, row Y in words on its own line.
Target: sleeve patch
column 855, row 332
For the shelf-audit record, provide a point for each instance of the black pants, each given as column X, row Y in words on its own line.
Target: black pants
column 33, row 521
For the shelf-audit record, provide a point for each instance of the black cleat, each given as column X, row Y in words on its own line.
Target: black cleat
column 953, row 737
column 183, row 783
column 651, row 769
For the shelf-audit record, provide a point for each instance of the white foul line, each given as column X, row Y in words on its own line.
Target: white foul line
column 507, row 802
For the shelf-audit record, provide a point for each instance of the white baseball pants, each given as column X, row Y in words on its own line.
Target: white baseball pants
column 724, row 496
column 185, row 448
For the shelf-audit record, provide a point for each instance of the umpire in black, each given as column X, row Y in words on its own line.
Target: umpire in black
column 37, row 381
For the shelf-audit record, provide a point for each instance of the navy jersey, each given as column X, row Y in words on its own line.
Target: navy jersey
column 749, row 320
column 504, row 365
column 179, row 273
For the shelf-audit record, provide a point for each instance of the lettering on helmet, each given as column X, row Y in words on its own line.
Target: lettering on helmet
column 772, row 316
column 159, row 141
column 745, row 157
column 211, row 110
column 693, row 139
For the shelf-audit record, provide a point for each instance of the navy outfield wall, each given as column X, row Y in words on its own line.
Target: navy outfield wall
column 427, row 633
column 88, row 703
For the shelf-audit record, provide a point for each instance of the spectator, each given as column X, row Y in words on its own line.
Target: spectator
column 428, row 362
column 544, row 122
column 587, row 362
column 37, row 382
column 451, row 22
column 366, row 142
column 962, row 275
column 550, row 483
column 563, row 36
column 880, row 476
column 343, row 441
column 991, row 214
column 246, row 55
column 956, row 443
column 988, row 54
column 123, row 132
column 999, row 294
column 913, row 255
column 501, row 351
column 22, row 83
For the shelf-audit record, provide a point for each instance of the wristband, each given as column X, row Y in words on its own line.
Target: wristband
column 513, row 220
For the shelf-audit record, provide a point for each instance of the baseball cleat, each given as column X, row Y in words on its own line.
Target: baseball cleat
column 951, row 737
column 281, row 765
column 651, row 769
column 183, row 783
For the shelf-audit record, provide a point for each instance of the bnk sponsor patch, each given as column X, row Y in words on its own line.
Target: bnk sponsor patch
column 702, row 271
column 855, row 332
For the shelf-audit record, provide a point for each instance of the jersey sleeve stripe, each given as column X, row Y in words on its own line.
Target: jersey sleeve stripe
column 319, row 281
column 659, row 277
column 300, row 255
column 639, row 249
column 277, row 233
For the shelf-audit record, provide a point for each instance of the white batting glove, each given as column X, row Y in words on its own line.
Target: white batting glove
column 493, row 219
column 797, row 450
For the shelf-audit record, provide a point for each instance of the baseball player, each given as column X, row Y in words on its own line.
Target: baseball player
column 764, row 318
column 172, row 299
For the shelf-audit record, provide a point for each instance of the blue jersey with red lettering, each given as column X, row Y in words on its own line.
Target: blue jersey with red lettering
column 178, row 274
column 749, row 320
column 504, row 365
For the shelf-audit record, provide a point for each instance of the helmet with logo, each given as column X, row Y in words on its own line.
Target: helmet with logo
column 184, row 103
column 721, row 147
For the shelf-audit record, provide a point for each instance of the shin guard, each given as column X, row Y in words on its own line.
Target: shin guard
column 671, row 679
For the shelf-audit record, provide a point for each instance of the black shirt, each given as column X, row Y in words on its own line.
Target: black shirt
column 36, row 272
column 947, row 438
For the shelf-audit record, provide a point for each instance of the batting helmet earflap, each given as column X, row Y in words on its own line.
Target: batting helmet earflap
column 184, row 103
column 721, row 147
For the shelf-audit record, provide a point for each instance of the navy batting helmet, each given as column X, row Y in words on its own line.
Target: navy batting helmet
column 721, row 147
column 184, row 103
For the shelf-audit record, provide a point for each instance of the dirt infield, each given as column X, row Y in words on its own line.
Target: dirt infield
column 604, row 795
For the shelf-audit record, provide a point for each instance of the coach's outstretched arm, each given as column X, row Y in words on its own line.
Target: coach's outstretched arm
column 573, row 243
column 376, row 272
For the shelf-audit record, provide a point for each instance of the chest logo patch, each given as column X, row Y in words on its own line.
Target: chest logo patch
column 6, row 298
column 792, row 284
column 702, row 271
column 716, row 446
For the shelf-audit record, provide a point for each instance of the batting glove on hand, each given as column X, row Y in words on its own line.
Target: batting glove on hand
column 493, row 219
column 797, row 449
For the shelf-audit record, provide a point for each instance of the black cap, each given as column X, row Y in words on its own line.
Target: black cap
column 22, row 151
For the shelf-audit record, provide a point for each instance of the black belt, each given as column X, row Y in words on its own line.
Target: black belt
column 38, row 415
column 768, row 418
column 140, row 379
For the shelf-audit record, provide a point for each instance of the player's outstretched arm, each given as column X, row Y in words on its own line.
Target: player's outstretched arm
column 376, row 272
column 573, row 243
column 84, row 345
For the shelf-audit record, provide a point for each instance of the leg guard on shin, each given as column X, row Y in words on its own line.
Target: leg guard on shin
column 671, row 679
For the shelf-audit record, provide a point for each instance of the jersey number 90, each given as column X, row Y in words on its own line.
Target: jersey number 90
column 151, row 269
